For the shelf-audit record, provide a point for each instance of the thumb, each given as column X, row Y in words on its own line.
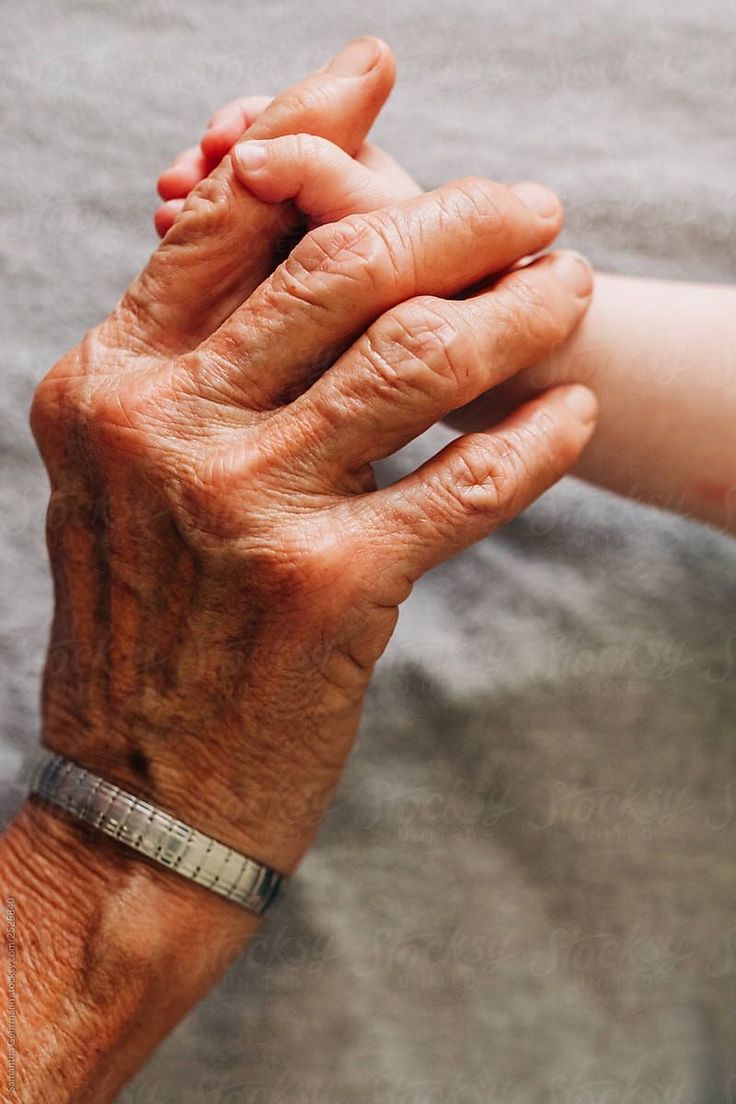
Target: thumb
column 325, row 183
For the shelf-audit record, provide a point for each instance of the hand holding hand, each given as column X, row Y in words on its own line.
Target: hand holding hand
column 226, row 572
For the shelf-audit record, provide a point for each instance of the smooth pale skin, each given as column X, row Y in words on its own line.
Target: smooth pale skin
column 226, row 573
column 660, row 355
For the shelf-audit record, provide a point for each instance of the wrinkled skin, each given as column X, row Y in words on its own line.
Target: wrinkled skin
column 226, row 573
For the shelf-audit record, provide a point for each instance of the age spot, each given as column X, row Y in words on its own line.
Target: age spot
column 138, row 763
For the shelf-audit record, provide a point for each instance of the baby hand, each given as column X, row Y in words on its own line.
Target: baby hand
column 230, row 123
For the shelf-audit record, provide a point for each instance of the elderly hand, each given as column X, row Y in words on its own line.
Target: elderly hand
column 226, row 571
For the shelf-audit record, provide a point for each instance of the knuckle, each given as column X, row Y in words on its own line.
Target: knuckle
column 354, row 250
column 298, row 278
column 136, row 418
column 87, row 423
column 392, row 246
column 477, row 487
column 207, row 209
column 211, row 193
column 424, row 343
column 511, row 466
column 49, row 409
column 125, row 416
column 354, row 241
column 61, row 400
column 489, row 481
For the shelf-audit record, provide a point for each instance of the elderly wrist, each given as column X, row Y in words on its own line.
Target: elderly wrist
column 112, row 951
column 49, row 854
column 253, row 798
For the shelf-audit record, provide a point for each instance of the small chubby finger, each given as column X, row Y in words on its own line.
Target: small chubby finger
column 324, row 182
column 480, row 481
column 166, row 215
column 229, row 123
column 185, row 172
column 202, row 273
column 192, row 165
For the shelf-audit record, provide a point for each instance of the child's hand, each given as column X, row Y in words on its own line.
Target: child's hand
column 195, row 163
column 230, row 123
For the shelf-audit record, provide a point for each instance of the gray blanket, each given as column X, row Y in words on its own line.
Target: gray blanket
column 525, row 891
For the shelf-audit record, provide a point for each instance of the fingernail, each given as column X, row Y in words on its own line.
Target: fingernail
column 540, row 199
column 574, row 272
column 583, row 404
column 251, row 155
column 357, row 59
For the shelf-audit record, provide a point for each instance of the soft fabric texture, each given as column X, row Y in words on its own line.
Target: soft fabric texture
column 525, row 891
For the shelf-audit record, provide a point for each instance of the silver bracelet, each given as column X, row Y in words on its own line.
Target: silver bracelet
column 154, row 833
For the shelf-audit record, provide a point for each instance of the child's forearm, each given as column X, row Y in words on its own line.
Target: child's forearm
column 661, row 357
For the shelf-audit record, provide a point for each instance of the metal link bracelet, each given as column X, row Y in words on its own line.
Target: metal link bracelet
column 151, row 832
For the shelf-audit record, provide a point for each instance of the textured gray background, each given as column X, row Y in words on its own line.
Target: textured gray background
column 525, row 891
